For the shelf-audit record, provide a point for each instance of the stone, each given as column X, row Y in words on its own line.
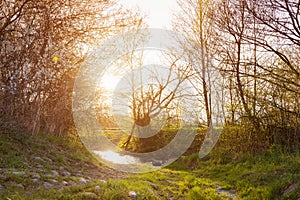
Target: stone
column 54, row 181
column 18, row 173
column 157, row 163
column 39, row 159
column 65, row 183
column 55, row 173
column 290, row 189
column 36, row 175
column 132, row 194
column 49, row 175
column 48, row 185
column 82, row 181
column 39, row 166
column 35, row 180
column 230, row 193
column 66, row 173
column 79, row 174
column 97, row 188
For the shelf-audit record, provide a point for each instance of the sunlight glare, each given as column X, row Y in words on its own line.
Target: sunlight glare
column 116, row 158
column 109, row 82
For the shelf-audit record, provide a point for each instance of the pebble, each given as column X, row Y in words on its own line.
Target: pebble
column 36, row 175
column 19, row 173
column 66, row 173
column 55, row 173
column 54, row 181
column 39, row 166
column 82, row 181
column 97, row 188
column 39, row 159
column 79, row 174
column 48, row 175
column 64, row 183
column 132, row 194
column 35, row 180
column 48, row 185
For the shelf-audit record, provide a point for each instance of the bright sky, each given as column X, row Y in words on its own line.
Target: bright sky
column 159, row 13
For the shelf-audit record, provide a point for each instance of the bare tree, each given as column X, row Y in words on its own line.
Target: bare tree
column 42, row 45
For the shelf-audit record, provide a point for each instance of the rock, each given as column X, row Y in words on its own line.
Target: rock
column 1, row 187
column 35, row 180
column 61, row 168
column 55, row 173
column 79, row 174
column 18, row 173
column 157, row 163
column 49, row 175
column 2, row 176
column 54, row 181
column 132, row 194
column 39, row 159
column 97, row 188
column 230, row 193
column 290, row 189
column 64, row 183
column 39, row 166
column 82, row 181
column 36, row 175
column 48, row 185
column 66, row 173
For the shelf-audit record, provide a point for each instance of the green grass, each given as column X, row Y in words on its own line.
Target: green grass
column 264, row 176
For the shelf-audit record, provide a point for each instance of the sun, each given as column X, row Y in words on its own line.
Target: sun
column 109, row 81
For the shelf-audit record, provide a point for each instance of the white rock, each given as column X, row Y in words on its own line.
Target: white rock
column 55, row 173
column 35, row 180
column 39, row 159
column 19, row 173
column 97, row 188
column 48, row 175
column 66, row 173
column 36, row 175
column 48, row 185
column 83, row 181
column 132, row 194
column 54, row 181
column 64, row 183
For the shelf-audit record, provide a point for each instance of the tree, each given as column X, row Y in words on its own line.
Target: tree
column 42, row 45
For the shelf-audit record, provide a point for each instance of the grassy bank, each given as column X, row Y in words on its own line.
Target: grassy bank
column 45, row 167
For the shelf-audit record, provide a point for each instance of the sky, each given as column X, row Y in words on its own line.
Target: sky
column 159, row 12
